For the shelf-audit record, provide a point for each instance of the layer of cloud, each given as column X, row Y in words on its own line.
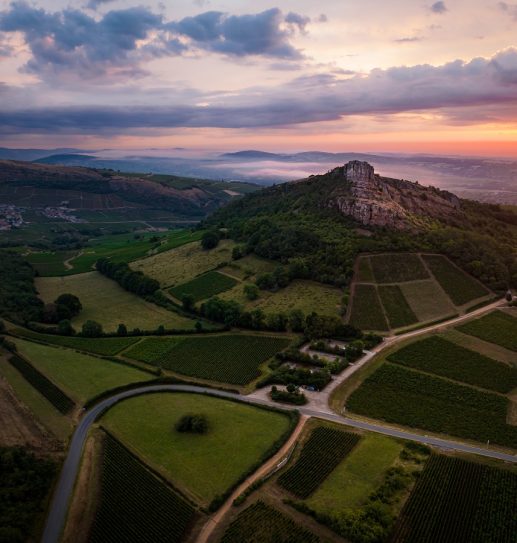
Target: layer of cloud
column 70, row 44
column 511, row 9
column 438, row 7
column 480, row 85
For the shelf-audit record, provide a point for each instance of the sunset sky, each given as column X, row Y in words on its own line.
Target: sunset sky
column 335, row 75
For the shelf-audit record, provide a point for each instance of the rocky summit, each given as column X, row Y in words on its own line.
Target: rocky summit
column 373, row 200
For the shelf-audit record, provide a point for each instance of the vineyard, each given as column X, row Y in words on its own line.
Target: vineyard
column 399, row 395
column 398, row 268
column 204, row 286
column 441, row 357
column 395, row 304
column 135, row 506
column 320, row 455
column 103, row 346
column 457, row 501
column 460, row 287
column 260, row 523
column 226, row 358
column 497, row 327
column 364, row 270
column 367, row 312
column 43, row 385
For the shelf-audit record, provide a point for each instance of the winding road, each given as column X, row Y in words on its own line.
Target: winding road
column 64, row 488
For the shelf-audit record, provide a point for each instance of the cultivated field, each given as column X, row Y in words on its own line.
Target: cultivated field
column 497, row 327
column 79, row 375
column 262, row 523
column 179, row 265
column 427, row 300
column 109, row 304
column 397, row 268
column 204, row 286
column 367, row 312
column 155, row 513
column 456, row 500
column 404, row 396
column 307, row 296
column 204, row 465
column 227, row 358
column 397, row 309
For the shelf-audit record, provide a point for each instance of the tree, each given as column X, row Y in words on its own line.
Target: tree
column 210, row 240
column 188, row 302
column 296, row 320
column 193, row 424
column 71, row 302
column 251, row 292
column 91, row 329
column 509, row 296
column 122, row 330
column 65, row 328
column 160, row 330
column 277, row 322
column 237, row 253
column 198, row 326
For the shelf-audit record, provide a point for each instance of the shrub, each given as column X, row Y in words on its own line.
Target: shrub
column 91, row 329
column 192, row 424
column 251, row 292
column 210, row 240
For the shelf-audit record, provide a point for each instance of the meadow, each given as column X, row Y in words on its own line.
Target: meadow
column 108, row 346
column 204, row 286
column 248, row 266
column 106, row 302
column 458, row 500
column 262, row 523
column 80, row 376
column 497, row 327
column 238, row 437
column 441, row 357
column 397, row 267
column 367, row 312
column 459, row 286
column 155, row 513
column 233, row 359
column 399, row 395
column 179, row 265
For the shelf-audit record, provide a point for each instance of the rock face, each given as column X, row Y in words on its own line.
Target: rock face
column 373, row 200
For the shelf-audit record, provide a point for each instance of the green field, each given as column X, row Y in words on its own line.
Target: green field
column 109, row 304
column 204, row 465
column 79, row 375
column 50, row 263
column 399, row 395
column 367, row 313
column 398, row 268
column 441, row 357
column 182, row 264
column 307, row 296
column 397, row 309
column 427, row 300
column 261, row 523
column 460, row 287
column 154, row 513
column 249, row 266
column 204, row 286
column 364, row 270
column 497, row 327
column 357, row 476
column 103, row 346
column 456, row 500
column 228, row 358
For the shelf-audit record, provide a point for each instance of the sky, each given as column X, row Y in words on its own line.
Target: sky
column 404, row 76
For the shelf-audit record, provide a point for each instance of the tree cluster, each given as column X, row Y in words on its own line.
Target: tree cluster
column 192, row 424
column 132, row 281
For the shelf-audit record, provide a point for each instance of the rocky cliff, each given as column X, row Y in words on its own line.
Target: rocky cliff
column 373, row 200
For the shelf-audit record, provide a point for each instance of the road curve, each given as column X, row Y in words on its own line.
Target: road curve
column 63, row 491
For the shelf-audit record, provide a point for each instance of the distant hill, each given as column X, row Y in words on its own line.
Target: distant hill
column 64, row 159
column 33, row 154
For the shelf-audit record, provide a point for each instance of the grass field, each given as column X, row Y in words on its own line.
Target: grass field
column 307, row 296
column 497, row 327
column 436, row 355
column 427, row 300
column 367, row 313
column 204, row 465
column 261, row 523
column 397, row 268
column 79, row 375
column 50, row 263
column 459, row 286
column 103, row 346
column 397, row 309
column 357, row 476
column 41, row 408
column 399, row 395
column 109, row 304
column 154, row 513
column 182, row 264
column 233, row 359
column 204, row 286
column 456, row 500
column 248, row 266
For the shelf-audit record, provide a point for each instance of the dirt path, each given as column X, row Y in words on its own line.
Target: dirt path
column 215, row 519
column 66, row 262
